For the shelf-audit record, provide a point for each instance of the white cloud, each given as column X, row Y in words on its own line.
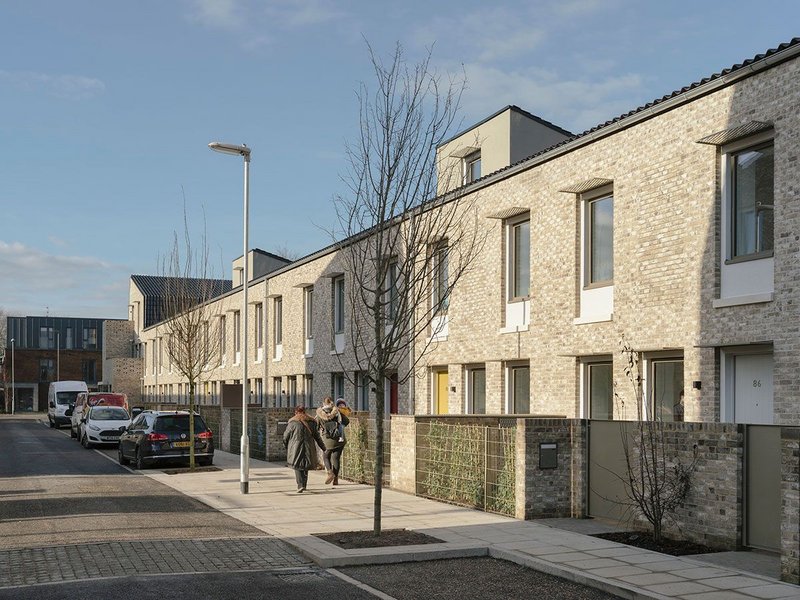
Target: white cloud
column 222, row 14
column 68, row 285
column 70, row 87
column 574, row 104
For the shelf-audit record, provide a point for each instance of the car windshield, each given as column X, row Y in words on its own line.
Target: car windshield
column 167, row 423
column 66, row 397
column 108, row 413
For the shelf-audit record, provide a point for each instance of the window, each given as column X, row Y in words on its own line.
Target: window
column 89, row 371
column 519, row 388
column 362, row 391
column 206, row 340
column 47, row 370
column 277, row 391
column 259, row 399
column 337, row 385
column 600, row 390
column 599, row 244
column 277, row 317
column 160, row 342
column 308, row 389
column 752, row 197
column 472, row 167
column 46, row 338
column 519, row 263
column 259, row 317
column 222, row 336
column 70, row 342
column 308, row 312
column 237, row 334
column 392, row 292
column 441, row 293
column 338, row 305
column 89, row 338
column 476, row 391
column 666, row 398
column 292, row 391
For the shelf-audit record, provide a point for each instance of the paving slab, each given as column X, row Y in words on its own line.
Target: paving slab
column 546, row 545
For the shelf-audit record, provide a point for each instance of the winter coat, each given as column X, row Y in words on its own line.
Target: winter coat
column 330, row 413
column 300, row 439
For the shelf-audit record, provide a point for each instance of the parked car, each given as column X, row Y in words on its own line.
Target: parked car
column 61, row 398
column 102, row 424
column 88, row 399
column 163, row 436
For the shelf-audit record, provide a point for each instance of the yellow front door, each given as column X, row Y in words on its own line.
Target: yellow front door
column 441, row 393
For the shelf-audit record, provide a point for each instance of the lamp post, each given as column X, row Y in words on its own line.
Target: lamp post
column 58, row 355
column 244, row 152
column 13, row 366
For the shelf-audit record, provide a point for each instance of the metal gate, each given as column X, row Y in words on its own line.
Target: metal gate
column 763, row 487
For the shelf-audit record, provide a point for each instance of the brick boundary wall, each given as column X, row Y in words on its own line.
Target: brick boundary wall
column 790, row 505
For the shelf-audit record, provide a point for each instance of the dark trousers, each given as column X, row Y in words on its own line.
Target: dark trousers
column 302, row 478
column 333, row 459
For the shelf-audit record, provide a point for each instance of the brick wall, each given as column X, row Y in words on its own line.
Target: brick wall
column 790, row 505
column 403, row 454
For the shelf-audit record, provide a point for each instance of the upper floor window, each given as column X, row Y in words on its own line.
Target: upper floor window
column 259, row 317
column 237, row 331
column 472, row 167
column 308, row 312
column 519, row 263
column 69, row 341
column 89, row 338
column 599, row 241
column 46, row 338
column 752, row 197
column 222, row 339
column 277, row 309
column 338, row 304
column 441, row 291
column 391, row 290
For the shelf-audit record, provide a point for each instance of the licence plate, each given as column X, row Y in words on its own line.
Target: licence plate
column 107, row 438
column 180, row 444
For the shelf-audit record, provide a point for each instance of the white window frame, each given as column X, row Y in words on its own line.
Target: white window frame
column 237, row 337
column 650, row 360
column 259, row 333
column 596, row 298
column 223, row 335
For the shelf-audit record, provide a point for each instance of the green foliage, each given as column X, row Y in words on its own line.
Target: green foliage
column 354, row 465
column 455, row 467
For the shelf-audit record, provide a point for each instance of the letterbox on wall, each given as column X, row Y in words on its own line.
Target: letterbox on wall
column 548, row 455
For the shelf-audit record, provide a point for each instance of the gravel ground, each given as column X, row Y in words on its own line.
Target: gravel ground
column 473, row 578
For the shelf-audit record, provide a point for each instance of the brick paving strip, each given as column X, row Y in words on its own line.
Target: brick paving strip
column 28, row 566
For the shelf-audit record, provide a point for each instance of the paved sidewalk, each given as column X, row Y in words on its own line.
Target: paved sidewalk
column 276, row 508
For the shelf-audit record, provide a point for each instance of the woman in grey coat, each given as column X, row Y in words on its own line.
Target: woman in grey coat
column 299, row 438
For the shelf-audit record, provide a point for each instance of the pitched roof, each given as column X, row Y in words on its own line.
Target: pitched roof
column 156, row 287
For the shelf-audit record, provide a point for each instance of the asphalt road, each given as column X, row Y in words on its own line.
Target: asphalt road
column 75, row 524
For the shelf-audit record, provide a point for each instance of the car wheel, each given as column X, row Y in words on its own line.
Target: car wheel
column 121, row 456
column 139, row 460
column 72, row 433
column 85, row 442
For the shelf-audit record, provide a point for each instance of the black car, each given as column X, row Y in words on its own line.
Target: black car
column 163, row 436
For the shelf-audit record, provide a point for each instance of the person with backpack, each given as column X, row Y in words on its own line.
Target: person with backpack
column 329, row 419
column 299, row 438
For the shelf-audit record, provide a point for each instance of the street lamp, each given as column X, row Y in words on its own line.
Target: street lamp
column 244, row 152
column 13, row 366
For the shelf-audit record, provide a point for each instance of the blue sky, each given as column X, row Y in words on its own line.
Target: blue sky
column 106, row 110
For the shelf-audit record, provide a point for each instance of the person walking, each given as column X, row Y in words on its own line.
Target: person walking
column 299, row 438
column 329, row 419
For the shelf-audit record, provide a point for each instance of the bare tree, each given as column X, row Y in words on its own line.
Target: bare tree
column 656, row 480
column 405, row 249
column 191, row 323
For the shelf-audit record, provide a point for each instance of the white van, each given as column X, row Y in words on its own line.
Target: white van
column 61, row 401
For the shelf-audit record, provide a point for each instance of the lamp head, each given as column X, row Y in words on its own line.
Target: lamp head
column 240, row 150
